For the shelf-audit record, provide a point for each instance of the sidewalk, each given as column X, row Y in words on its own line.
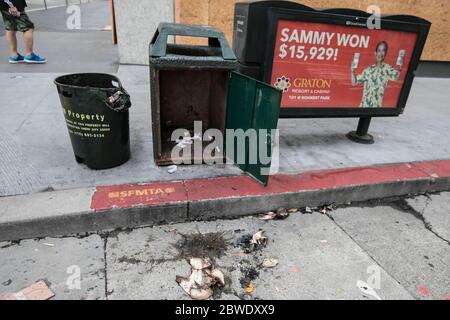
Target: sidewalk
column 43, row 191
column 36, row 123
column 403, row 242
column 129, row 230
column 80, row 50
column 37, row 156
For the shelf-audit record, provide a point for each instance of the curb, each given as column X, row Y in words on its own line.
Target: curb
column 131, row 205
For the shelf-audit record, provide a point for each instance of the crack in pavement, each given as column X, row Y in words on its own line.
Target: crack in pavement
column 403, row 206
column 105, row 242
column 369, row 255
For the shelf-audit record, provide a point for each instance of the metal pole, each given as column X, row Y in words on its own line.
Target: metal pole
column 361, row 134
column 45, row 4
column 363, row 126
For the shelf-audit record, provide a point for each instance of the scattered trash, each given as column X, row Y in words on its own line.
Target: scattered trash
column 203, row 279
column 172, row 230
column 115, row 97
column 269, row 216
column 201, row 294
column 281, row 214
column 293, row 210
column 199, row 278
column 197, row 136
column 217, row 275
column 323, row 241
column 181, row 145
column 326, row 208
column 48, row 244
column 270, row 263
column 367, row 290
column 250, row 288
column 199, row 263
column 16, row 77
column 249, row 243
column 295, row 270
column 37, row 291
column 185, row 283
column 172, row 169
column 308, row 210
column 187, row 139
column 259, row 240
column 249, row 274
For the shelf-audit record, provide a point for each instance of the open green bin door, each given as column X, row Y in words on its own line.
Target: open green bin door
column 253, row 109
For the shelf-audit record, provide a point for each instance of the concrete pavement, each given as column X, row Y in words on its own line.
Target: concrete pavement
column 305, row 144
column 55, row 261
column 87, row 49
column 321, row 256
column 395, row 235
column 147, row 204
column 39, row 136
column 326, row 271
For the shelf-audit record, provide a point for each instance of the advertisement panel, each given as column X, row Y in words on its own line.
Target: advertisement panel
column 335, row 63
column 321, row 65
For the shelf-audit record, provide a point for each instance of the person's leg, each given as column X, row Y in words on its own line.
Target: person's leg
column 28, row 40
column 27, row 27
column 12, row 42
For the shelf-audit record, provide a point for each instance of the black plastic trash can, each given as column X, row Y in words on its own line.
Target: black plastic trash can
column 95, row 108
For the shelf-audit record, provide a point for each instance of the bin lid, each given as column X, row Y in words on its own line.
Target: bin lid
column 253, row 107
column 216, row 39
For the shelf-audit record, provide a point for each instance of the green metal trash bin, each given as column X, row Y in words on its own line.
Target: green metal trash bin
column 197, row 83
column 95, row 108
column 188, row 83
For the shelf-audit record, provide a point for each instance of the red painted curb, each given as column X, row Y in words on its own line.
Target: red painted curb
column 136, row 195
column 167, row 192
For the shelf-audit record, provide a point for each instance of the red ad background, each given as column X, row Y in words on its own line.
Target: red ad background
column 343, row 94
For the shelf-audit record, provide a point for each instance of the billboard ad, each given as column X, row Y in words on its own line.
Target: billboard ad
column 319, row 65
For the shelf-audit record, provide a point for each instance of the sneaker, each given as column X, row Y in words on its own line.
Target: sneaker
column 17, row 59
column 34, row 58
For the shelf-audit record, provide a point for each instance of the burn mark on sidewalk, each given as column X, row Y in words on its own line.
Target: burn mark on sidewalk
column 212, row 245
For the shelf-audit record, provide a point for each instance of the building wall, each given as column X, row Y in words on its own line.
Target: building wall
column 136, row 22
column 219, row 13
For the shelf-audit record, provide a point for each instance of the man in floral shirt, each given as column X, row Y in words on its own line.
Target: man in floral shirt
column 376, row 78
